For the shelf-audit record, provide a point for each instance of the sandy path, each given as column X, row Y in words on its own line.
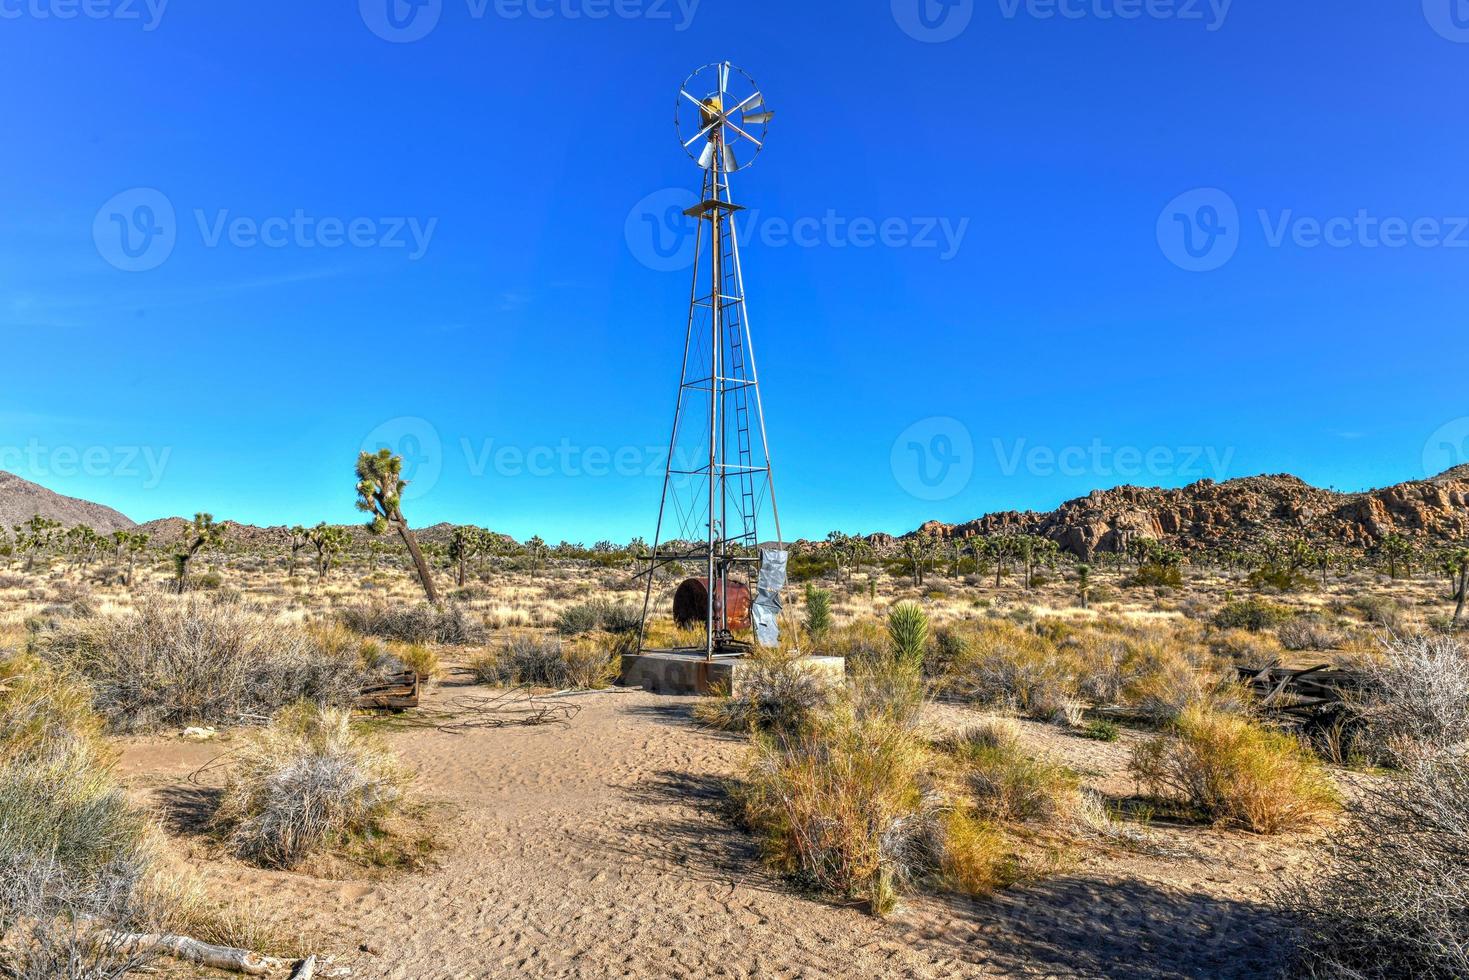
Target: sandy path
column 598, row 850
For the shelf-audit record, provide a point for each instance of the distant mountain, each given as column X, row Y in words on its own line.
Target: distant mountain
column 1234, row 514
column 20, row 500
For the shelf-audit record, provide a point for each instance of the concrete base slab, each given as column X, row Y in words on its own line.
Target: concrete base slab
column 688, row 673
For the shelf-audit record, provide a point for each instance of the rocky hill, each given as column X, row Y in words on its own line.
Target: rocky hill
column 20, row 500
column 1234, row 514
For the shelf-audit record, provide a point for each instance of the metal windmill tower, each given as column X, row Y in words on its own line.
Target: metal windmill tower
column 718, row 485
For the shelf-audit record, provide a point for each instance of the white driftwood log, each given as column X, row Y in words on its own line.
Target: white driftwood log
column 206, row 954
column 305, row 970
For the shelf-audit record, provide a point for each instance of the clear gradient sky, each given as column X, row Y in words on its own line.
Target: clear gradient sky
column 998, row 253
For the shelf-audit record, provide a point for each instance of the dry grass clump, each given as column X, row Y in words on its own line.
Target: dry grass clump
column 1005, row 782
column 599, row 615
column 840, row 805
column 1236, row 773
column 778, row 695
column 74, row 854
column 1309, row 633
column 1415, row 699
column 534, row 661
column 1007, row 665
column 1392, row 899
column 191, row 660
column 307, row 783
column 449, row 624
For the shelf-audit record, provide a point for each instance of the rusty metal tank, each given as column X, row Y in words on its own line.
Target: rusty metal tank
column 691, row 603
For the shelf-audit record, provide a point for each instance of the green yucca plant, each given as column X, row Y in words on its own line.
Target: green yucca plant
column 908, row 633
column 818, row 611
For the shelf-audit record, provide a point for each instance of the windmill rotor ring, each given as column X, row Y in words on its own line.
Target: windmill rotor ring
column 722, row 118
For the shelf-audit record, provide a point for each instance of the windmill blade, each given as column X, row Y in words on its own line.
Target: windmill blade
column 745, row 134
column 703, row 132
column 756, row 101
column 758, row 118
column 730, row 163
column 723, row 82
column 706, row 159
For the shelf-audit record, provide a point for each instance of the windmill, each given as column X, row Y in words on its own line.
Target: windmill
column 717, row 485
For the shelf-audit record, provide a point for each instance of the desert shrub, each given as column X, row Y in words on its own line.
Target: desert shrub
column 533, row 661
column 1308, row 633
column 1392, row 897
column 1383, row 611
column 416, row 657
column 1165, row 693
column 970, row 855
column 1005, row 782
column 1236, row 773
column 777, row 695
column 861, row 642
column 1101, row 731
column 449, row 624
column 1157, row 576
column 597, row 615
column 1415, row 696
column 1006, row 665
column 1250, row 614
column 193, row 660
column 949, row 647
column 840, row 806
column 73, row 850
column 307, row 783
column 1241, row 646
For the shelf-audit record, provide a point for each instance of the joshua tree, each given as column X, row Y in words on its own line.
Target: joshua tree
column 380, row 486
column 1396, row 550
column 206, row 534
column 297, row 538
column 839, row 546
column 34, row 536
column 82, row 542
column 467, row 543
column 1084, row 583
column 536, row 548
column 328, row 542
column 129, row 544
column 1456, row 565
column 918, row 550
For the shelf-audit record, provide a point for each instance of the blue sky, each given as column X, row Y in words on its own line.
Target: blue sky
column 446, row 243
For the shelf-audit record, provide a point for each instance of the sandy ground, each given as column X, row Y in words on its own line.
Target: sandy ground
column 598, row 849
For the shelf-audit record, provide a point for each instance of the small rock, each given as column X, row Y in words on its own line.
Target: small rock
column 199, row 734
